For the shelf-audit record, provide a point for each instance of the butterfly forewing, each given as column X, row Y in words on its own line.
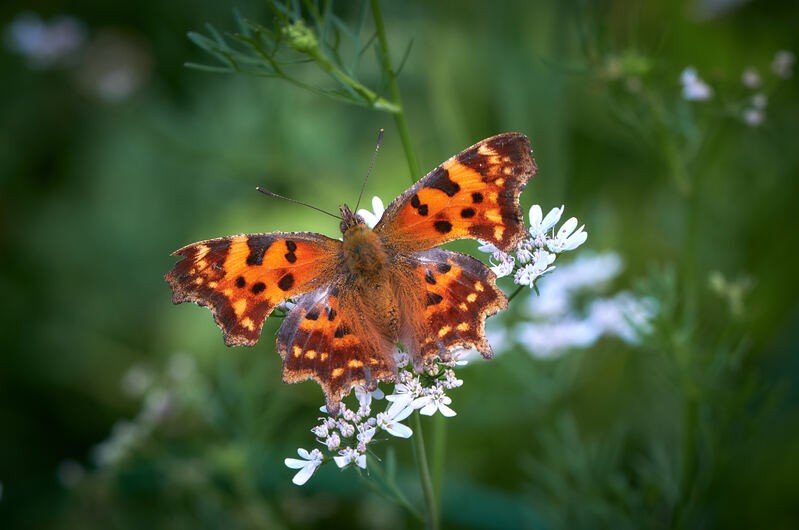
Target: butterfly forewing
column 474, row 194
column 242, row 278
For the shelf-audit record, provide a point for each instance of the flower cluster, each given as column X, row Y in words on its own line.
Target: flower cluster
column 535, row 255
column 564, row 318
column 753, row 109
column 348, row 436
column 693, row 87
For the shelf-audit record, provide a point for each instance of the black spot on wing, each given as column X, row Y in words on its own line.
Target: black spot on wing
column 258, row 246
column 440, row 180
column 434, row 298
column 443, row 227
column 429, row 278
column 286, row 282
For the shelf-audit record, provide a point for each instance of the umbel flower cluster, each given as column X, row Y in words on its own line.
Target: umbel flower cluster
column 347, row 438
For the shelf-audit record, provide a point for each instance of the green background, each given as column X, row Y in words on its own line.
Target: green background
column 95, row 194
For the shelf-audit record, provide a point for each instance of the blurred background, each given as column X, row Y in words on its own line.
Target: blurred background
column 120, row 410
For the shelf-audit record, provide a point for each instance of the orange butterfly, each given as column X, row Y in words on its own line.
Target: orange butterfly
column 356, row 298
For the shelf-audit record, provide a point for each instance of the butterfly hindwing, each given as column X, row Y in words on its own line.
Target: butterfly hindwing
column 460, row 292
column 324, row 339
column 242, row 278
column 474, row 194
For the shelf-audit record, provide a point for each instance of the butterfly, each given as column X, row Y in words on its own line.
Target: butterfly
column 357, row 297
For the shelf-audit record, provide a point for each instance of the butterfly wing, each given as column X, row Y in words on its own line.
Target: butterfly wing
column 242, row 278
column 459, row 293
column 326, row 338
column 474, row 194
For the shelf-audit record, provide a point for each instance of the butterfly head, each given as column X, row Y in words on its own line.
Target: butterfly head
column 349, row 219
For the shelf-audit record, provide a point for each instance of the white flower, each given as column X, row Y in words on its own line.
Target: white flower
column 538, row 226
column 434, row 400
column 371, row 219
column 544, row 339
column 391, row 424
column 364, row 397
column 333, row 441
column 750, row 78
column 307, row 466
column 321, row 431
column 753, row 117
column 404, row 394
column 502, row 263
column 693, row 88
column 45, row 44
column 567, row 238
column 782, row 65
column 350, row 456
column 347, row 429
column 365, row 433
column 488, row 248
column 624, row 316
column 589, row 271
column 540, row 265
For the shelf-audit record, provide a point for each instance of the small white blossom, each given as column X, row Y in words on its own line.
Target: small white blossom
column 693, row 88
column 567, row 238
column 391, row 424
column 321, row 431
column 346, row 429
column 539, row 227
column 348, row 456
column 759, row 101
column 540, row 265
column 783, row 62
column 753, row 117
column 750, row 78
column 372, row 218
column 307, row 465
column 432, row 401
column 333, row 441
column 365, row 433
column 450, row 380
column 45, row 44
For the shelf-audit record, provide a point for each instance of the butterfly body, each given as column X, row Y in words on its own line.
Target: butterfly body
column 359, row 296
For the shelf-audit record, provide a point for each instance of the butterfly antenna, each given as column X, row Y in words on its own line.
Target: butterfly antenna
column 275, row 195
column 371, row 165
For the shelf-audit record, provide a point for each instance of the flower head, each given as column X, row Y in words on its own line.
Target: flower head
column 693, row 88
column 371, row 218
column 307, row 464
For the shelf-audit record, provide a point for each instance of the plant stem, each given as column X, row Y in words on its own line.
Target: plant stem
column 439, row 446
column 393, row 86
column 396, row 494
column 424, row 473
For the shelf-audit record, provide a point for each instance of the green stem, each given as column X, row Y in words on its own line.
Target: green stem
column 393, row 86
column 424, row 473
column 439, row 446
column 396, row 494
column 516, row 292
column 376, row 101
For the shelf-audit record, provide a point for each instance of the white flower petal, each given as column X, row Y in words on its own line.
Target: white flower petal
column 429, row 409
column 341, row 461
column 304, row 474
column 552, row 218
column 399, row 430
column 446, row 411
column 535, row 215
column 294, row 463
column 567, row 228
